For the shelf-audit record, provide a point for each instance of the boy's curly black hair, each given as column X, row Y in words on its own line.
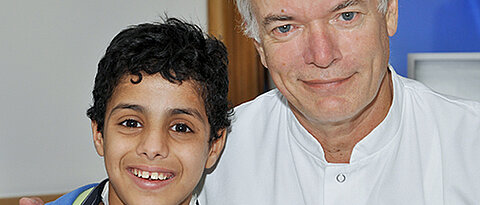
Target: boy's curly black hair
column 177, row 50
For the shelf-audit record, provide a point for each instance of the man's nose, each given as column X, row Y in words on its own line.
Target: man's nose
column 321, row 47
column 154, row 144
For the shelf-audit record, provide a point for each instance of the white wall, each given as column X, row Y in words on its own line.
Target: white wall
column 49, row 50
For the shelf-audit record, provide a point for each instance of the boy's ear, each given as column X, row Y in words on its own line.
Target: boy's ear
column 216, row 149
column 97, row 138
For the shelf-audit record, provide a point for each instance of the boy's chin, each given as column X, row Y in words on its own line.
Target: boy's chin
column 148, row 197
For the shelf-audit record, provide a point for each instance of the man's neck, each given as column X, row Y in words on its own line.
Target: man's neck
column 338, row 139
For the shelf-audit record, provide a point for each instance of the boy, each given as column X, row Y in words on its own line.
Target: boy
column 159, row 115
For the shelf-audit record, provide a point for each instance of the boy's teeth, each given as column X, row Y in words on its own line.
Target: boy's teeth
column 145, row 174
column 154, row 175
column 148, row 175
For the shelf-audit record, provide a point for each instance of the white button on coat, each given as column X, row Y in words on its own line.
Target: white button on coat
column 341, row 178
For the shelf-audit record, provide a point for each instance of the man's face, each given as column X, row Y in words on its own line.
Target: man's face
column 327, row 57
column 155, row 141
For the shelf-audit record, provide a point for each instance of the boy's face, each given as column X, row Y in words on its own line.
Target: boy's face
column 155, row 141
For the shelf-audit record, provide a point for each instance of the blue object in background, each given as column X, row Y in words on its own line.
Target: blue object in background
column 434, row 26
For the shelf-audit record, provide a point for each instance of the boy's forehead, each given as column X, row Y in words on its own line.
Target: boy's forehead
column 154, row 86
column 138, row 78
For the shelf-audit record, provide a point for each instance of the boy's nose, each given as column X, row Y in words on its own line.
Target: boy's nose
column 154, row 144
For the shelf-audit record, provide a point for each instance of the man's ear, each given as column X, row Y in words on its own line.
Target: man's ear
column 97, row 138
column 261, row 52
column 392, row 17
column 216, row 149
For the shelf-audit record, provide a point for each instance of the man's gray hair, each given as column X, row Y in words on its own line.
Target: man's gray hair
column 250, row 24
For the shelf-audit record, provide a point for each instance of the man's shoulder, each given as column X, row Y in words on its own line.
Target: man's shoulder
column 251, row 119
column 266, row 102
column 447, row 116
column 425, row 97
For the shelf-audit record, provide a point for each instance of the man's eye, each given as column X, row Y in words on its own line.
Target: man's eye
column 181, row 128
column 131, row 123
column 348, row 16
column 284, row 28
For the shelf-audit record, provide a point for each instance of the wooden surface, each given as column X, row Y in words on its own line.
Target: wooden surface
column 246, row 74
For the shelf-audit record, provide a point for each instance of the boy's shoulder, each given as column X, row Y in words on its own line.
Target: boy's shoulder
column 78, row 195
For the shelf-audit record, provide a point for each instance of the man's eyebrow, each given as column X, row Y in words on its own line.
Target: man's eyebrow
column 346, row 4
column 187, row 111
column 273, row 18
column 128, row 106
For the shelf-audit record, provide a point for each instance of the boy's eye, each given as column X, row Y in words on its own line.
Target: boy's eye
column 131, row 123
column 181, row 128
column 348, row 16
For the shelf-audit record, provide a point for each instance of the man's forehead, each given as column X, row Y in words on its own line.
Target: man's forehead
column 270, row 11
column 276, row 7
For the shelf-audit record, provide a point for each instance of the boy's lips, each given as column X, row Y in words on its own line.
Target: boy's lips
column 151, row 178
column 152, row 175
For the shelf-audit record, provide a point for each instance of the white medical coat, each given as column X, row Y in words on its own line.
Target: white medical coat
column 426, row 151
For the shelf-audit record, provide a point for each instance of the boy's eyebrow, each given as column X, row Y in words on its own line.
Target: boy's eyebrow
column 187, row 111
column 273, row 18
column 128, row 106
column 346, row 4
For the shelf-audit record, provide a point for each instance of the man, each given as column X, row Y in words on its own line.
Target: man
column 342, row 127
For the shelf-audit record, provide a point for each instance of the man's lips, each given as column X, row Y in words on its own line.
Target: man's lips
column 326, row 83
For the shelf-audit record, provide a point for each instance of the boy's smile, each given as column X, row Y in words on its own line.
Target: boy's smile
column 152, row 175
column 154, row 179
column 155, row 141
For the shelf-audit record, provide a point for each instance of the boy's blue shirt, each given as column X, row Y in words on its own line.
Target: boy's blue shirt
column 70, row 197
column 94, row 196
